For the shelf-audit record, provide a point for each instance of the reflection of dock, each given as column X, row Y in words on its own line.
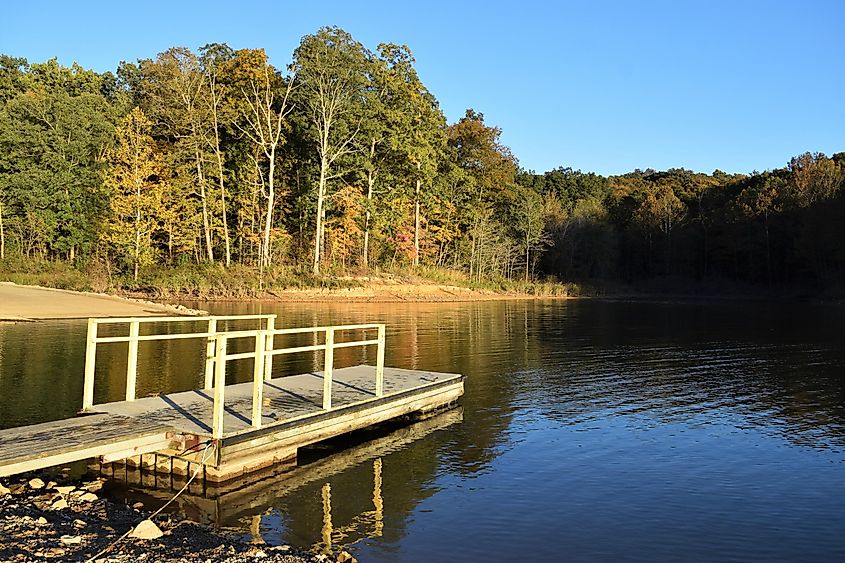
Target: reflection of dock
column 229, row 430
column 226, row 503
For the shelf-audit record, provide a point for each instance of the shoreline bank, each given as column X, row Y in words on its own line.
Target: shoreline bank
column 23, row 303
column 56, row 518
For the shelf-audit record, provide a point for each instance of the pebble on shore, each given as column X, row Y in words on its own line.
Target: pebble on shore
column 69, row 522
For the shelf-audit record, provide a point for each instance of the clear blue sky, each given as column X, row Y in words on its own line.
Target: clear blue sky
column 601, row 86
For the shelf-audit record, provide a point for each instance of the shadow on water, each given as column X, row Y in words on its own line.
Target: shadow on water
column 591, row 430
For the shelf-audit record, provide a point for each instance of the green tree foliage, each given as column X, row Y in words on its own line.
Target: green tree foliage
column 136, row 181
column 343, row 160
column 332, row 69
column 51, row 147
column 485, row 185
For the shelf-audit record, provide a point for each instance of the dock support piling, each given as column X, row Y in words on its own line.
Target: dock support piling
column 132, row 360
column 328, row 365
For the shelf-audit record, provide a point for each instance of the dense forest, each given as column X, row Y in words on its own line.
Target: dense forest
column 342, row 162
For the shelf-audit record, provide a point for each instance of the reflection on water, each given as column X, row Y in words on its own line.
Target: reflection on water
column 590, row 431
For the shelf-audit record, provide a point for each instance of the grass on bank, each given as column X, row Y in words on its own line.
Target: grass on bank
column 213, row 281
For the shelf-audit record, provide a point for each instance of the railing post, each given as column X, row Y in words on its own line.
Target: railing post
column 132, row 360
column 268, row 346
column 209, row 355
column 380, row 363
column 90, row 362
column 258, row 379
column 328, row 364
column 219, row 386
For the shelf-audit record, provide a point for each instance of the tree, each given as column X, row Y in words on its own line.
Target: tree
column 51, row 147
column 761, row 200
column 215, row 58
column 330, row 65
column 176, row 98
column 135, row 182
column 661, row 210
column 529, row 222
column 489, row 175
column 266, row 106
column 417, row 126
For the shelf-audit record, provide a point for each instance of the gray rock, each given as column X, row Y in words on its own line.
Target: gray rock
column 146, row 530
column 59, row 504
column 36, row 483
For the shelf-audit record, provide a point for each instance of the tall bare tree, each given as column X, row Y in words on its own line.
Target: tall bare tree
column 331, row 66
column 266, row 105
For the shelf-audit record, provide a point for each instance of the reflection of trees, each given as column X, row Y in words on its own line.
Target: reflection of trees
column 40, row 371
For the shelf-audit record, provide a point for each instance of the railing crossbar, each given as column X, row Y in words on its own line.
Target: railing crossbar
column 206, row 318
column 181, row 336
column 305, row 330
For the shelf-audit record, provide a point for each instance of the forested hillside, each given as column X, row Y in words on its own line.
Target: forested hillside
column 342, row 162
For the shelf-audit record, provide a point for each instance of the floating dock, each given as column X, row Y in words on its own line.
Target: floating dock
column 225, row 431
column 228, row 503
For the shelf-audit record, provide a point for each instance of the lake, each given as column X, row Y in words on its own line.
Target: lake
column 590, row 430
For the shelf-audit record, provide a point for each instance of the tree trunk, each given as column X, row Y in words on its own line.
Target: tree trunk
column 371, row 179
column 2, row 235
column 318, row 231
column 206, row 227
column 768, row 252
column 219, row 154
column 271, row 200
column 226, row 240
column 417, row 218
column 527, row 256
column 137, row 230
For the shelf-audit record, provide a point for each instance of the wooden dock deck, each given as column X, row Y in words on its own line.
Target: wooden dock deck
column 64, row 441
column 230, row 430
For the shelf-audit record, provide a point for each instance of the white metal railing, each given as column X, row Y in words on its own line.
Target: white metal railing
column 135, row 337
column 217, row 356
column 263, row 354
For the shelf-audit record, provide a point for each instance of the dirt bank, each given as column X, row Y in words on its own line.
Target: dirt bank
column 363, row 290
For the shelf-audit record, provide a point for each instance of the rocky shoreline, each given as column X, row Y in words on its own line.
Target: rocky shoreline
column 67, row 520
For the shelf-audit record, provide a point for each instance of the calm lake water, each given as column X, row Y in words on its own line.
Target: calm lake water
column 590, row 430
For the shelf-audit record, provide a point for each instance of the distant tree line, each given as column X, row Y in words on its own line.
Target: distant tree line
column 343, row 161
column 782, row 227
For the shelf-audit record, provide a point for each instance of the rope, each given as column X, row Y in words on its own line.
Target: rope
column 157, row 512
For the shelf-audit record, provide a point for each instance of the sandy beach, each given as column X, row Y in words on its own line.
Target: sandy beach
column 29, row 303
